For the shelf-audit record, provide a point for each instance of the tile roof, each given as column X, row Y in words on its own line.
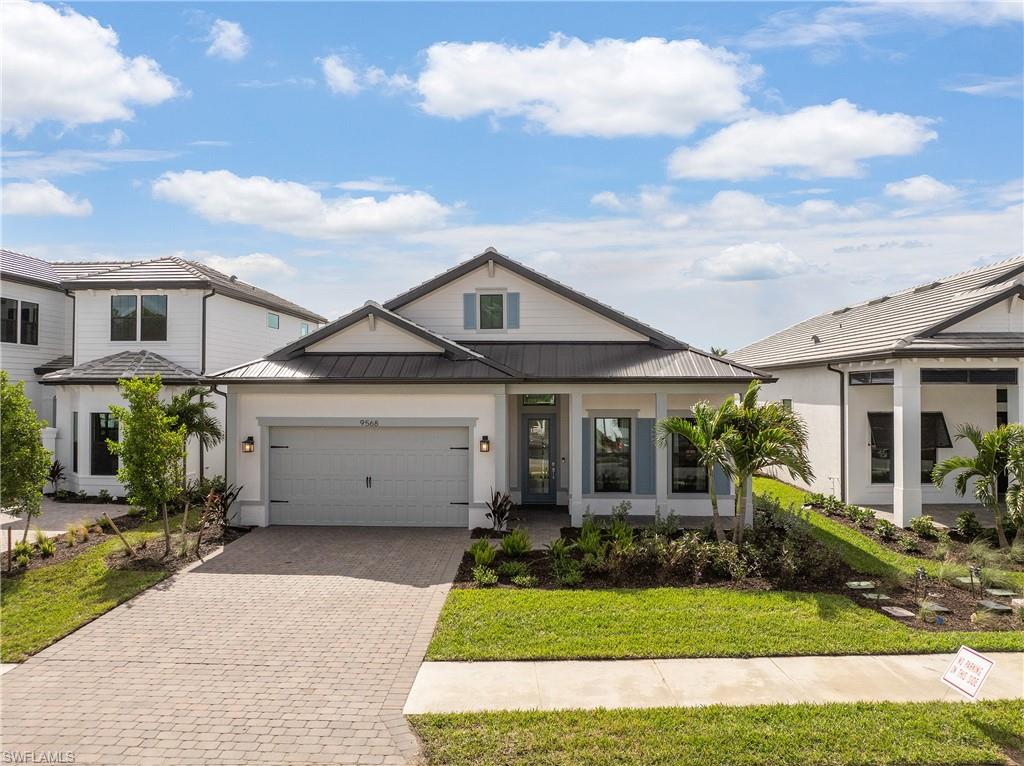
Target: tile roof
column 124, row 364
column 24, row 268
column 902, row 323
column 60, row 363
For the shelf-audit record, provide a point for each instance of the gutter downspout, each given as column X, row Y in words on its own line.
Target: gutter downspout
column 202, row 371
column 842, row 430
column 74, row 308
column 213, row 390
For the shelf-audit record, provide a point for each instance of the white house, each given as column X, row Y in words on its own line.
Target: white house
column 883, row 384
column 489, row 377
column 71, row 330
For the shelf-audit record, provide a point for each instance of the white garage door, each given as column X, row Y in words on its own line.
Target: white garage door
column 369, row 476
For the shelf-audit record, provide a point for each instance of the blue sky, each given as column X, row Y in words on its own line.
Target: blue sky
column 718, row 170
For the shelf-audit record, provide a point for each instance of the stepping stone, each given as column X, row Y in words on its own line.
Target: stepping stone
column 931, row 606
column 968, row 580
column 898, row 611
column 1001, row 592
column 877, row 597
column 1017, row 603
column 993, row 606
column 860, row 585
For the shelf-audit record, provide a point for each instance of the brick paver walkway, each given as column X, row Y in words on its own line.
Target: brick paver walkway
column 295, row 645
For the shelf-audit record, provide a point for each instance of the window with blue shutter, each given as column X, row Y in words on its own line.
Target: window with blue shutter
column 723, row 486
column 512, row 310
column 469, row 311
column 588, row 435
column 645, row 456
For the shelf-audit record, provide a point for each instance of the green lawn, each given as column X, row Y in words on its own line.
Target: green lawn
column 860, row 551
column 46, row 604
column 927, row 734
column 505, row 624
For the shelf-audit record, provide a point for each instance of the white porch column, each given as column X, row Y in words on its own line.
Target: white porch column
column 661, row 457
column 906, row 422
column 1015, row 398
column 576, row 506
column 499, row 444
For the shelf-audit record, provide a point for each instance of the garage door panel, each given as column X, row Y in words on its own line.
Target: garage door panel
column 417, row 478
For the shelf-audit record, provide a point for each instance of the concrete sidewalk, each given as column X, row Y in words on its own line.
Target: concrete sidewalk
column 452, row 687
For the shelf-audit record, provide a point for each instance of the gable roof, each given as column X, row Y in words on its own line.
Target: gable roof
column 906, row 323
column 18, row 267
column 490, row 254
column 124, row 364
column 173, row 272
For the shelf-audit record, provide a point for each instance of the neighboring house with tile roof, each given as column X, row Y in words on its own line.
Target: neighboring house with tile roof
column 72, row 330
column 489, row 377
column 884, row 383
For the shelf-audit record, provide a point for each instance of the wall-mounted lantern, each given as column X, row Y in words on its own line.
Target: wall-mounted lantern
column 485, row 444
column 249, row 445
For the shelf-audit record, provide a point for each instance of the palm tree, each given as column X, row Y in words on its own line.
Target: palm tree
column 1015, row 492
column 989, row 462
column 704, row 432
column 762, row 437
column 192, row 411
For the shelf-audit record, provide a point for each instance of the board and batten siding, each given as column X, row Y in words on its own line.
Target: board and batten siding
column 184, row 327
column 384, row 336
column 19, row 359
column 543, row 314
column 237, row 332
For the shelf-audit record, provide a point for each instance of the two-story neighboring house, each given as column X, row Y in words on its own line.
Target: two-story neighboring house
column 72, row 330
column 489, row 377
column 883, row 384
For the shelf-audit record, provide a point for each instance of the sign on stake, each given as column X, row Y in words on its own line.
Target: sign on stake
column 967, row 672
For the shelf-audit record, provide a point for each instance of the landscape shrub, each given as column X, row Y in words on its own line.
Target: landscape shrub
column 516, row 543
column 620, row 531
column 907, row 544
column 862, row 517
column 46, row 544
column 924, row 527
column 833, row 505
column 485, row 577
column 21, row 548
column 621, row 511
column 967, row 526
column 22, row 560
column 816, row 499
column 524, row 581
column 689, row 555
column 667, row 527
column 513, row 569
column 886, row 530
column 567, row 571
column 483, row 553
column 559, row 548
column 591, row 545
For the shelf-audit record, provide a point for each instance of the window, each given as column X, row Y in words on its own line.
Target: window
column 29, row 323
column 304, row 329
column 104, row 426
column 154, row 317
column 872, row 378
column 612, row 455
column 273, row 321
column 934, row 436
column 74, row 442
column 8, row 320
column 969, row 375
column 787, row 404
column 492, row 312
column 123, row 317
column 538, row 399
column 688, row 475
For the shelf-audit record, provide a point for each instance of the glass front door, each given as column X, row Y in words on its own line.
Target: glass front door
column 539, row 464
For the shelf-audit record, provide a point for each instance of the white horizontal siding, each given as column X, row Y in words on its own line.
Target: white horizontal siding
column 1007, row 316
column 184, row 321
column 237, row 332
column 19, row 360
column 384, row 336
column 543, row 315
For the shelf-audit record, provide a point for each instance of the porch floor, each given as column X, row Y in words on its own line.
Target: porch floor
column 943, row 513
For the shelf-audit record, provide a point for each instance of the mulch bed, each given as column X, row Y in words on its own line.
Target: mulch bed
column 151, row 552
column 960, row 601
column 97, row 536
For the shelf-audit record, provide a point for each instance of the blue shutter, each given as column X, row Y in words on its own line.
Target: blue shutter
column 722, row 484
column 646, row 455
column 469, row 311
column 513, row 311
column 588, row 457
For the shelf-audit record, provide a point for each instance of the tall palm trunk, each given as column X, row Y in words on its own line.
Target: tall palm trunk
column 739, row 513
column 167, row 530
column 716, row 518
column 997, row 515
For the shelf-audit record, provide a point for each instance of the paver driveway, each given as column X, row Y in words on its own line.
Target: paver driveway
column 295, row 645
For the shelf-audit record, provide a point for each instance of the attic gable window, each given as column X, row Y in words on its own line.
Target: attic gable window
column 492, row 311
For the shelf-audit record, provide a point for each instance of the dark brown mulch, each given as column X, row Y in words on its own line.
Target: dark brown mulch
column 486, row 533
column 151, row 552
column 64, row 551
column 960, row 601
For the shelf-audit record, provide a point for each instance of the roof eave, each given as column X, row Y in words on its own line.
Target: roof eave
column 32, row 281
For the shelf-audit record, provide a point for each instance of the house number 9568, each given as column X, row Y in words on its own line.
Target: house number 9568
column 367, row 423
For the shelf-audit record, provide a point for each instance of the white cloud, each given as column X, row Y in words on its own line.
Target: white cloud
column 340, row 78
column 608, row 200
column 751, row 261
column 607, row 88
column 42, row 198
column 375, row 184
column 32, row 164
column 294, row 208
column 992, row 87
column 921, row 190
column 378, row 78
column 209, row 142
column 817, row 141
column 116, row 137
column 59, row 65
column 227, row 40
column 250, row 267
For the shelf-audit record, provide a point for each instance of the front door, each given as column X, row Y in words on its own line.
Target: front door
column 539, row 459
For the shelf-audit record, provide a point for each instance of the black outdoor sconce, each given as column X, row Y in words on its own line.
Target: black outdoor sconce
column 249, row 445
column 485, row 444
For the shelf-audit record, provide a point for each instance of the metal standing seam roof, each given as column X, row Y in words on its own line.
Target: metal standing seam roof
column 377, row 368
column 902, row 323
column 124, row 364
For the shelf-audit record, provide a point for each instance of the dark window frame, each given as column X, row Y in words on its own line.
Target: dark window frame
column 103, row 426
column 74, row 442
column 700, row 483
column 872, row 377
column 9, row 324
column 983, row 376
column 28, row 326
column 152, row 329
column 490, row 311
column 601, row 480
column 548, row 400
column 126, row 320
column 934, row 436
